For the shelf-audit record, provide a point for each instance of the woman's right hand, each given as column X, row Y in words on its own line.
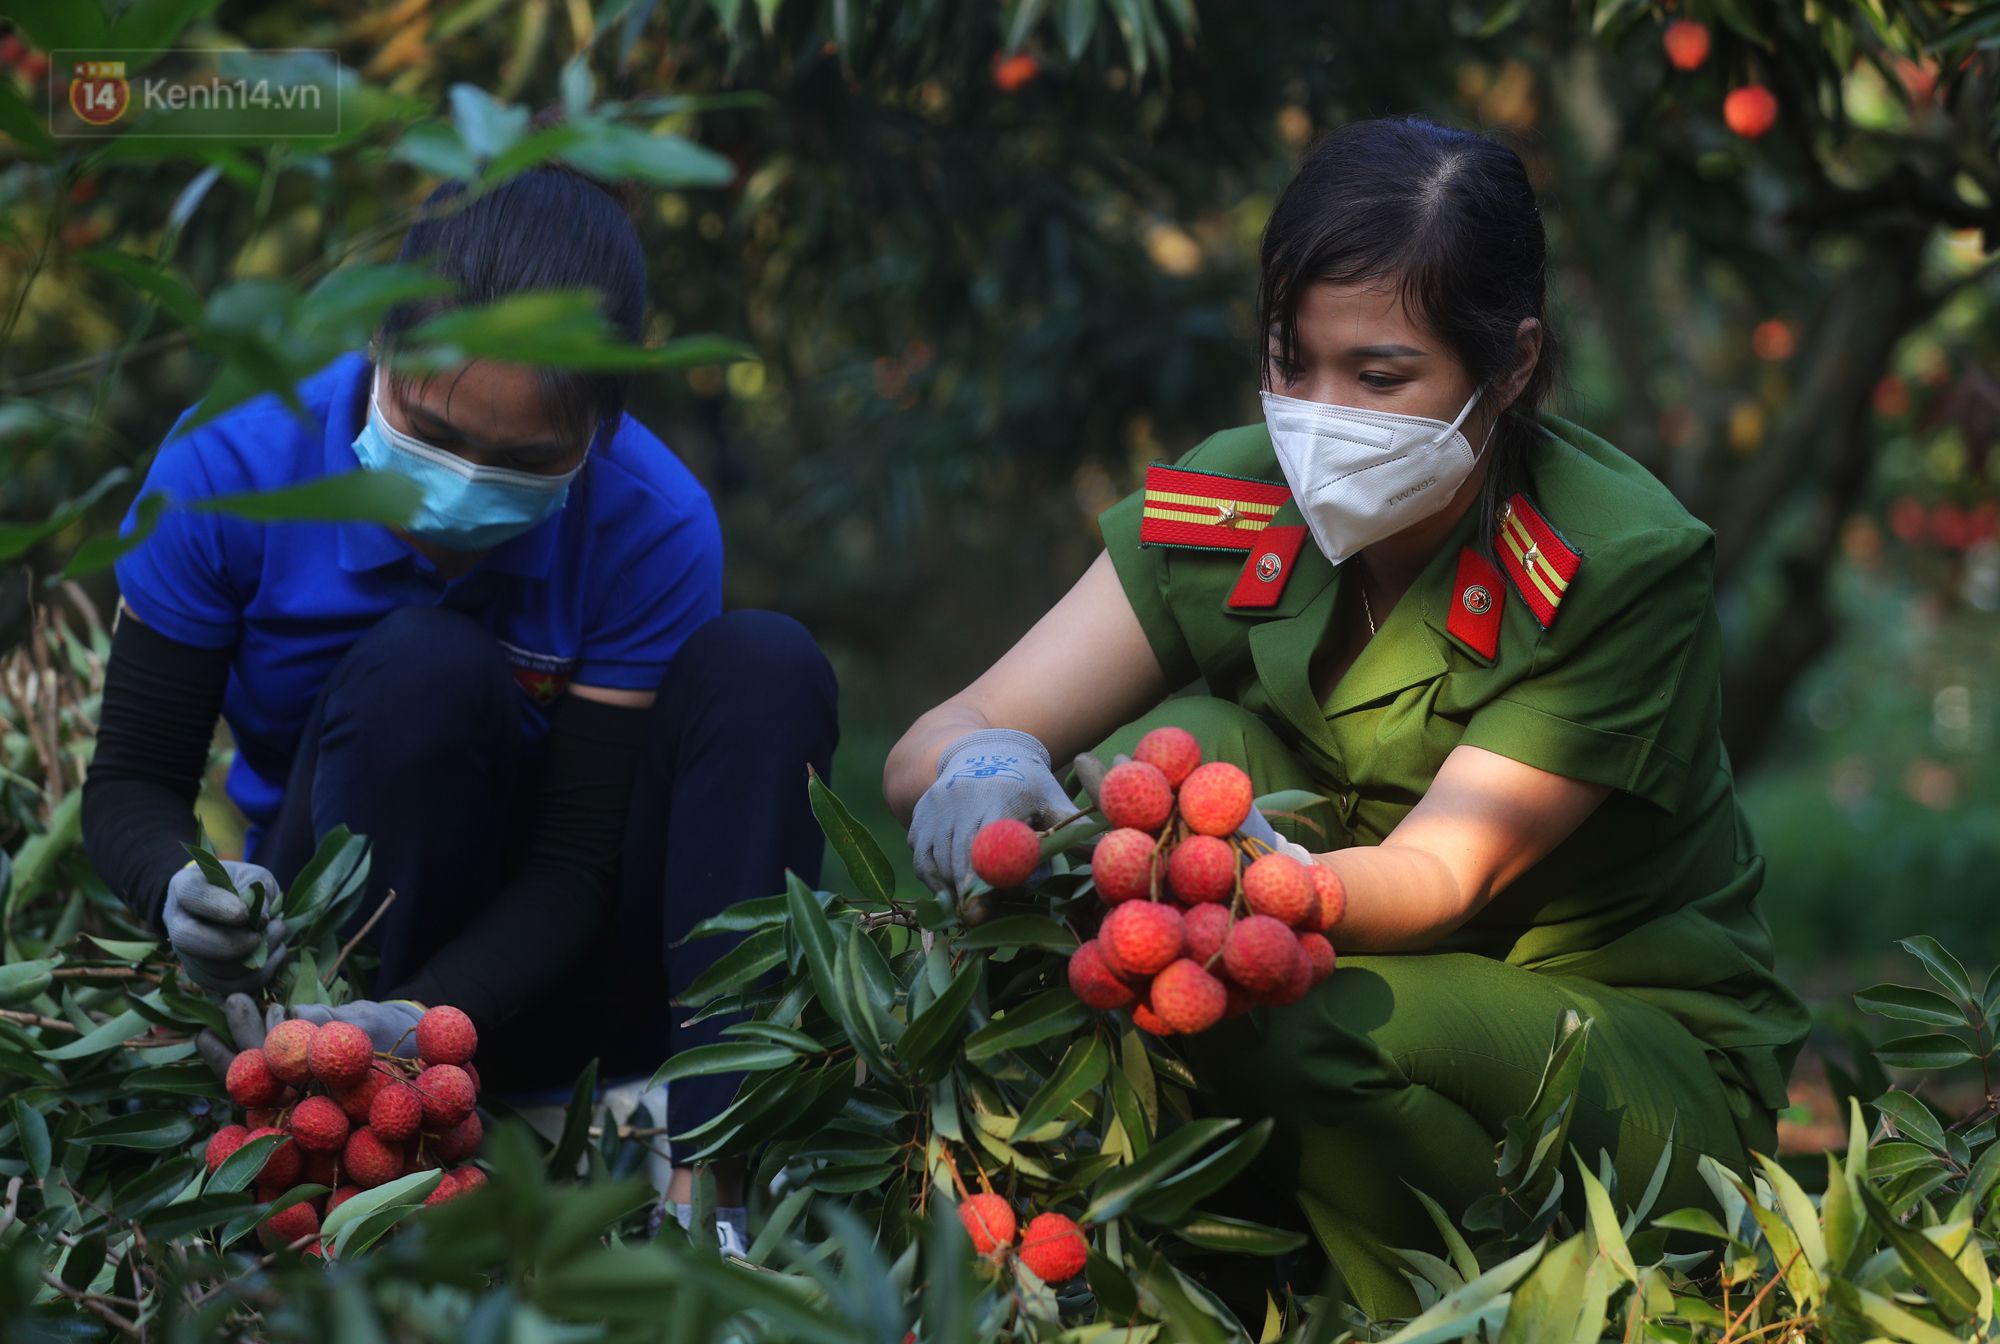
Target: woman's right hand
column 210, row 928
column 985, row 776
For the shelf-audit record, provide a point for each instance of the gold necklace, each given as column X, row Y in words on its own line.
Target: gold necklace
column 1367, row 608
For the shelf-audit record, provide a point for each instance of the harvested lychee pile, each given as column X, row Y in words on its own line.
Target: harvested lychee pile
column 351, row 1119
column 1203, row 922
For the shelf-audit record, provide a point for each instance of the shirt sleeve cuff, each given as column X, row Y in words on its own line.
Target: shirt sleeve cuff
column 177, row 625
column 1619, row 761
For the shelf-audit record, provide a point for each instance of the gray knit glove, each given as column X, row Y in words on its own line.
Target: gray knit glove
column 982, row 777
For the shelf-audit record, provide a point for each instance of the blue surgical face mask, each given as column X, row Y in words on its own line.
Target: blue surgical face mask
column 464, row 507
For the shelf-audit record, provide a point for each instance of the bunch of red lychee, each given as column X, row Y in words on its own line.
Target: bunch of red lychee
column 1203, row 922
column 352, row 1119
column 1052, row 1245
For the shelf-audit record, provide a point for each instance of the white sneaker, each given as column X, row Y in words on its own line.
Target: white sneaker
column 732, row 1228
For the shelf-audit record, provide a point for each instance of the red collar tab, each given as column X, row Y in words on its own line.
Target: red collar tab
column 1268, row 568
column 1536, row 558
column 1207, row 510
column 1477, row 600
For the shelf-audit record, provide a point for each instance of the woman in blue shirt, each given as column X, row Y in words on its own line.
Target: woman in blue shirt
column 527, row 699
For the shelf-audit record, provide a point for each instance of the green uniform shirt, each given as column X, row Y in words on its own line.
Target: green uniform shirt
column 1654, row 892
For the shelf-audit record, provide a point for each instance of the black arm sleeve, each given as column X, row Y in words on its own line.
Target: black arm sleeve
column 161, row 700
column 544, row 918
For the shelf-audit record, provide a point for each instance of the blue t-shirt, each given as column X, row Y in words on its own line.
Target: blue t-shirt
column 601, row 594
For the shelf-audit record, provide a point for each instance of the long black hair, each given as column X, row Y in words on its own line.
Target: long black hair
column 546, row 228
column 1450, row 215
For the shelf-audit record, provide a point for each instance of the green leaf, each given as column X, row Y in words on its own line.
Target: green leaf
column 1116, row 1191
column 1942, row 965
column 1083, row 1066
column 100, row 552
column 410, row 1191
column 1907, row 1003
column 778, row 1034
column 33, row 1132
column 931, row 1034
column 740, row 966
column 107, row 1036
column 1462, row 1258
column 576, row 1126
column 486, row 125
column 152, row 24
column 23, row 125
column 1903, row 1325
column 1935, row 1051
column 211, row 869
column 1911, row 1118
column 23, row 980
column 1924, row 1258
column 240, row 1168
column 1019, row 931
column 1235, row 1236
column 1169, row 1201
column 1549, row 1304
column 1799, row 1213
column 156, row 280
column 562, row 329
column 613, row 152
column 865, row 861
column 16, row 539
column 1480, row 1303
column 1698, row 1221
column 1603, row 1225
column 152, row 1130
column 1055, row 1012
column 353, row 496
column 332, row 879
column 724, row 1057
column 200, row 1214
column 765, row 912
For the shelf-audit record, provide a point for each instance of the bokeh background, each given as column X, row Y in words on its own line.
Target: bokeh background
column 996, row 258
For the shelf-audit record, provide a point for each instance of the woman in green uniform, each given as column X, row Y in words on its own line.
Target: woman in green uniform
column 1490, row 638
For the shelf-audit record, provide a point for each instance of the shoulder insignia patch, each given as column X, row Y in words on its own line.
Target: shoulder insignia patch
column 1206, row 510
column 1268, row 567
column 1477, row 600
column 1537, row 559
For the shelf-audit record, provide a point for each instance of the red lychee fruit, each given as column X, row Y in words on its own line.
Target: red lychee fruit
column 469, row 1178
column 320, row 1169
column 1187, row 998
column 1319, row 951
column 1216, row 798
column 318, row 1123
column 461, row 1141
column 1092, row 981
column 447, row 1096
column 1202, row 868
column 1205, row 927
column 222, row 1143
column 990, row 1222
column 282, row 1229
column 1686, row 42
column 357, row 1098
column 259, row 1117
column 397, row 1112
column 370, row 1160
column 1172, row 751
column 1258, row 953
column 1122, row 866
column 1329, row 895
column 1150, row 1022
column 1006, row 852
column 1298, row 980
column 445, row 1035
column 251, row 1082
column 1138, row 938
column 341, row 1196
column 1277, row 885
column 445, row 1189
column 1136, row 794
column 340, row 1054
column 285, row 1047
column 1750, row 110
column 281, row 1168
column 1053, row 1247
column 472, row 1072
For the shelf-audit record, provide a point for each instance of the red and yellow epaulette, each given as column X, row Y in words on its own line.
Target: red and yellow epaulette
column 1536, row 558
column 1206, row 509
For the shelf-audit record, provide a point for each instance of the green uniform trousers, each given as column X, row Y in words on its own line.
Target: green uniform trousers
column 1403, row 1067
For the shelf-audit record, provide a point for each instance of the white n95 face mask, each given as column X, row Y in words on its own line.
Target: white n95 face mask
column 1361, row 475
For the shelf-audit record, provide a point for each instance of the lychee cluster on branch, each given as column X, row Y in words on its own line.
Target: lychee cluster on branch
column 1202, row 922
column 1052, row 1245
column 350, row 1118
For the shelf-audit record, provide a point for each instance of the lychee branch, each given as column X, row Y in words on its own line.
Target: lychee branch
column 387, row 900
